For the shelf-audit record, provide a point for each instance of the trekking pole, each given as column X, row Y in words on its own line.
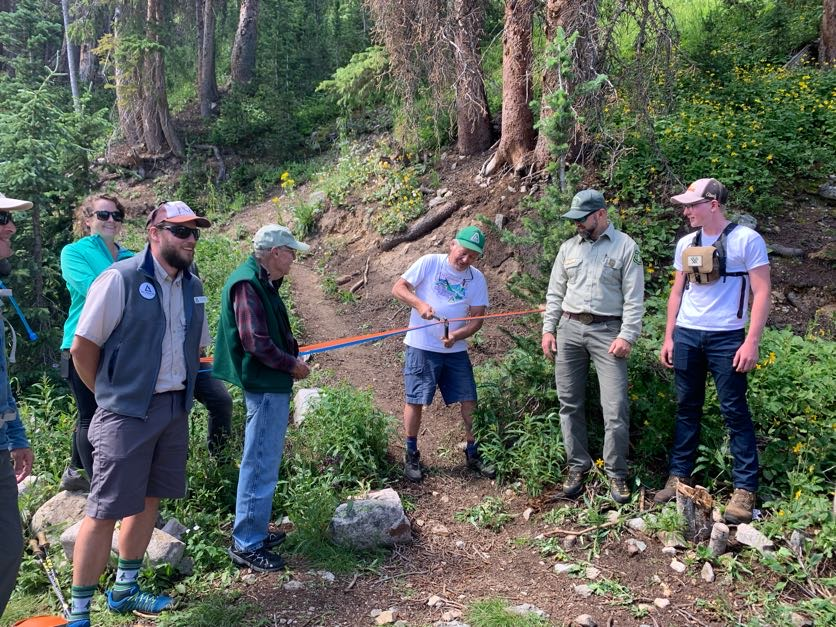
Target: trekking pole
column 32, row 335
column 40, row 549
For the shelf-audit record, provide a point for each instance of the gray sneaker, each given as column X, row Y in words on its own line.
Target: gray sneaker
column 74, row 480
column 412, row 466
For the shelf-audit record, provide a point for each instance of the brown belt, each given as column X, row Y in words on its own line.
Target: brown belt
column 588, row 318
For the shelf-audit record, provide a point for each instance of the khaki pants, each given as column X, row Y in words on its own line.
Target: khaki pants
column 577, row 345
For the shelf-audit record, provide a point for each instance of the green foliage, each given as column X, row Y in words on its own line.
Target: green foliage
column 515, row 425
column 490, row 513
column 31, row 31
column 496, row 613
column 398, row 191
column 344, row 437
column 360, row 83
column 217, row 609
column 216, row 256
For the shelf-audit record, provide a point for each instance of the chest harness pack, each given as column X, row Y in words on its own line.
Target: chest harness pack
column 707, row 264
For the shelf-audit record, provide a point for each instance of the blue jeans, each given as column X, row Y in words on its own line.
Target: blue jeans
column 267, row 416
column 695, row 354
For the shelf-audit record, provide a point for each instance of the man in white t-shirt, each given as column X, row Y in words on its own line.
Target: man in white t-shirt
column 705, row 332
column 442, row 287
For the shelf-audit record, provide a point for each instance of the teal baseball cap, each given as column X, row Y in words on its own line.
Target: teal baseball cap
column 584, row 203
column 471, row 238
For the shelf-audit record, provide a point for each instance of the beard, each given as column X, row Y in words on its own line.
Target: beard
column 176, row 257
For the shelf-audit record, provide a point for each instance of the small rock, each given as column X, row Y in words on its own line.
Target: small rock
column 436, row 201
column 797, row 540
column 707, row 573
column 249, row 578
column 635, row 546
column 526, row 609
column 453, row 167
column 523, row 189
column 387, row 617
column 512, row 189
column 716, row 516
column 583, row 590
column 666, row 589
column 448, row 194
column 637, row 524
column 483, row 185
column 441, row 191
column 799, row 620
column 499, row 220
column 435, row 600
column 668, row 550
column 449, row 623
column 671, row 538
column 584, row 620
column 460, row 544
column 326, row 576
column 592, row 572
column 612, row 516
column 748, row 535
column 304, row 401
column 678, row 566
column 445, row 499
column 28, row 483
column 451, row 615
column 375, row 613
column 293, row 585
column 528, row 512
column 661, row 603
column 561, row 568
column 569, row 542
column 440, row 530
column 420, row 522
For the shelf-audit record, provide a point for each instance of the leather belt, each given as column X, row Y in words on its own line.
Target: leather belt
column 588, row 318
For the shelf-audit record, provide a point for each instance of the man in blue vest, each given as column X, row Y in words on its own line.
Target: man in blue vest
column 255, row 350
column 15, row 453
column 137, row 347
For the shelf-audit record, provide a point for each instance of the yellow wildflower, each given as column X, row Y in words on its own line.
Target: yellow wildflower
column 599, row 462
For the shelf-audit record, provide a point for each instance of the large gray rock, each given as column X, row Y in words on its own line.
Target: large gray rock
column 303, row 401
column 162, row 549
column 376, row 520
column 748, row 535
column 63, row 509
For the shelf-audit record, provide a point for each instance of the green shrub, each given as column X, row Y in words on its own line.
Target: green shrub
column 490, row 513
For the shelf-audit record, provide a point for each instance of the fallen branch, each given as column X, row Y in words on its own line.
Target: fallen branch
column 363, row 280
column 351, row 585
column 423, row 226
column 579, row 532
column 221, row 165
column 786, row 251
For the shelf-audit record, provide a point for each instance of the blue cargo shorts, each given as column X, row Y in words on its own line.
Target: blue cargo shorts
column 424, row 371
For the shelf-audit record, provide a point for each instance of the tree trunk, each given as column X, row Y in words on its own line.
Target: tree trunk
column 72, row 68
column 158, row 129
column 827, row 44
column 571, row 16
column 472, row 115
column 243, row 49
column 517, row 120
column 207, row 81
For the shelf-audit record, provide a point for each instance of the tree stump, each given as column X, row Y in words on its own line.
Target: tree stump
column 719, row 539
column 695, row 505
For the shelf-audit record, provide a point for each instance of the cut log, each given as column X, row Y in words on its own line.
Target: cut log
column 786, row 251
column 719, row 539
column 434, row 218
column 695, row 505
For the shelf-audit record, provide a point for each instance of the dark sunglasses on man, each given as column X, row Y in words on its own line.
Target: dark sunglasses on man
column 5, row 217
column 104, row 216
column 179, row 231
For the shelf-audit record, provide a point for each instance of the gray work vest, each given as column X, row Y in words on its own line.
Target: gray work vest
column 131, row 356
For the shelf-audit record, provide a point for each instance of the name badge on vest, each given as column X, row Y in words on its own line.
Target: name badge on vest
column 147, row 291
column 200, row 300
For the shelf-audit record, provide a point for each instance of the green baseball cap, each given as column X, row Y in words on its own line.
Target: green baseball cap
column 472, row 238
column 584, row 203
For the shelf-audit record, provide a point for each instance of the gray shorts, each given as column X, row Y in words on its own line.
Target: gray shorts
column 134, row 458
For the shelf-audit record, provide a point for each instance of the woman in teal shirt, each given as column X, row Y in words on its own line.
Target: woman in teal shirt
column 99, row 218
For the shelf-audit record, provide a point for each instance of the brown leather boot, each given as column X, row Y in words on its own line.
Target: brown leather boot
column 739, row 509
column 668, row 493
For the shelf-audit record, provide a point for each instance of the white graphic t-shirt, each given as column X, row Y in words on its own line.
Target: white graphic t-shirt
column 450, row 293
column 713, row 307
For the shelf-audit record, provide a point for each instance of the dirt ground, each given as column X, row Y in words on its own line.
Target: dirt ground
column 453, row 560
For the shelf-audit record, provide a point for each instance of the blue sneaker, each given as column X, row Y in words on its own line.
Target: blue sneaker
column 140, row 603
column 80, row 622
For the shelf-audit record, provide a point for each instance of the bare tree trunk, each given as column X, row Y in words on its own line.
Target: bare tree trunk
column 243, row 49
column 517, row 120
column 571, row 16
column 72, row 68
column 472, row 114
column 207, row 81
column 158, row 129
column 827, row 44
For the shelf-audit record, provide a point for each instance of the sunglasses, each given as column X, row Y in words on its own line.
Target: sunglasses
column 5, row 217
column 585, row 218
column 103, row 216
column 179, row 231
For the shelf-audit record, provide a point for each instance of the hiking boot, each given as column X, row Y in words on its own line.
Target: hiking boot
column 274, row 538
column 619, row 490
column 74, row 480
column 79, row 622
column 739, row 509
column 260, row 560
column 140, row 603
column 668, row 493
column 573, row 484
column 475, row 462
column 412, row 466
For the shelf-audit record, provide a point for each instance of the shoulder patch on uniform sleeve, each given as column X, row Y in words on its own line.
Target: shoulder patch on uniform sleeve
column 637, row 257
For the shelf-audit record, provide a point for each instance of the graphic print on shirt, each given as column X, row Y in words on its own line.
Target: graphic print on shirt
column 451, row 288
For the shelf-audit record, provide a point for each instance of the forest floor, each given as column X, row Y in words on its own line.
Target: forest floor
column 455, row 560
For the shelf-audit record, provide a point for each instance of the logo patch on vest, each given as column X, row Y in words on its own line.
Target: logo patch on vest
column 147, row 291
